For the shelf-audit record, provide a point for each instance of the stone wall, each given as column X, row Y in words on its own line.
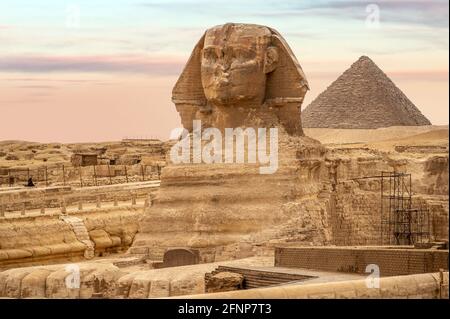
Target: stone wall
column 52, row 197
column 43, row 239
column 392, row 261
column 422, row 286
column 105, row 279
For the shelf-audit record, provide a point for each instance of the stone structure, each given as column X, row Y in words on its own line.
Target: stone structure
column 223, row 281
column 392, row 261
column 238, row 75
column 362, row 97
column 241, row 75
column 422, row 286
column 84, row 159
column 180, row 257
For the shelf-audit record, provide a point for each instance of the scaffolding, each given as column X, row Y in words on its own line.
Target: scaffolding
column 401, row 223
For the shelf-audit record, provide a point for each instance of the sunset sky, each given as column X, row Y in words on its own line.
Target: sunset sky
column 102, row 70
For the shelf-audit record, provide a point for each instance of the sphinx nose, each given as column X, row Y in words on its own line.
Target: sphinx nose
column 224, row 67
column 223, row 72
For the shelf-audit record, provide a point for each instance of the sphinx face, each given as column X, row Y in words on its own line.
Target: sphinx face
column 232, row 65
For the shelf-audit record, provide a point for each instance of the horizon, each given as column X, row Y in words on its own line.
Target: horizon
column 93, row 71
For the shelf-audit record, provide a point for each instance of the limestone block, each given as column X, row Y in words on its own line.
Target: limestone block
column 223, row 281
column 124, row 285
column 140, row 288
column 33, row 284
column 55, row 286
column 100, row 238
column 18, row 253
column 13, row 282
column 159, row 288
column 3, row 255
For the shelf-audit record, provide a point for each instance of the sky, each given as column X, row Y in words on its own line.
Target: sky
column 102, row 70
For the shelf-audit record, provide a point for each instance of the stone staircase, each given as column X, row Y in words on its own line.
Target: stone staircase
column 81, row 233
column 255, row 278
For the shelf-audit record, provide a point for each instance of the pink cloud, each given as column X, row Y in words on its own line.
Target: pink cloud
column 93, row 63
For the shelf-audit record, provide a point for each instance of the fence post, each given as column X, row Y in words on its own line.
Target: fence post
column 95, row 176
column 99, row 204
column 63, row 206
column 43, row 206
column 133, row 199
column 23, row 209
column 142, row 171
column 46, row 176
column 81, row 176
column 64, row 175
column 126, row 173
column 109, row 173
column 2, row 210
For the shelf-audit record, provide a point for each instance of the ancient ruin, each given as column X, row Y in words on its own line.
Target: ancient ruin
column 363, row 97
column 315, row 227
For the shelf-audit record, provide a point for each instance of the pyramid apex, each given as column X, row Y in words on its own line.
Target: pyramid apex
column 364, row 59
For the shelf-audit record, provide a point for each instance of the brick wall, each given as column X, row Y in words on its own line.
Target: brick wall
column 391, row 261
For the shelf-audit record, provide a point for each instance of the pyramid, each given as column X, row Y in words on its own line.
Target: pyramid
column 363, row 97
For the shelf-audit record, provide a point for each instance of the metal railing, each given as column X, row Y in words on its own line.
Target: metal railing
column 64, row 205
column 93, row 175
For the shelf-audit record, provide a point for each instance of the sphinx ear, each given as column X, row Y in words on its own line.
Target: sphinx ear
column 270, row 59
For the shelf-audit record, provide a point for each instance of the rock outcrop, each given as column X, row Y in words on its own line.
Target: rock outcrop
column 223, row 281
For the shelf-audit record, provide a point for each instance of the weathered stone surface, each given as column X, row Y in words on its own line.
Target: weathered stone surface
column 223, row 281
column 44, row 239
column 241, row 75
column 180, row 257
column 362, row 97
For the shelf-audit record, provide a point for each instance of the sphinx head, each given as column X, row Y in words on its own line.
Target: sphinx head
column 239, row 66
column 235, row 62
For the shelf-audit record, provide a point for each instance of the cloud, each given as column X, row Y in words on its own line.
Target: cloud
column 95, row 64
column 41, row 87
column 424, row 75
column 433, row 13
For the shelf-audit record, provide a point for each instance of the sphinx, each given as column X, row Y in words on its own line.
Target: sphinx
column 241, row 75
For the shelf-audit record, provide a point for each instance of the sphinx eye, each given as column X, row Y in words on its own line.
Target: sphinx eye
column 210, row 55
column 243, row 54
